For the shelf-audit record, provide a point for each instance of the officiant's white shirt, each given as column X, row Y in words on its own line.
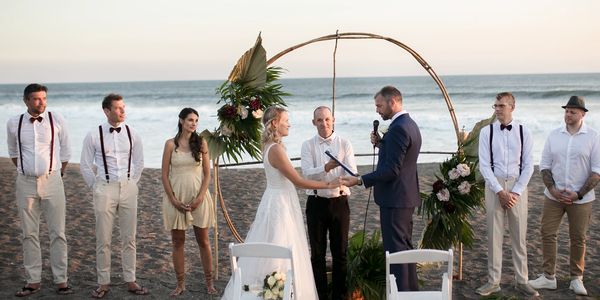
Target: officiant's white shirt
column 313, row 160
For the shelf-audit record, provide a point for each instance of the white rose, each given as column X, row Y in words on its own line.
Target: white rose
column 278, row 276
column 271, row 281
column 453, row 174
column 242, row 111
column 463, row 170
column 275, row 291
column 283, row 276
column 226, row 131
column 443, row 195
column 464, row 188
column 257, row 114
column 268, row 294
column 280, row 283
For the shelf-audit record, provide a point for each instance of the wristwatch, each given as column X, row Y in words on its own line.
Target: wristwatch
column 359, row 180
column 579, row 196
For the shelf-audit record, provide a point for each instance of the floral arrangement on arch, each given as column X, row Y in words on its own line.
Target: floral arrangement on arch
column 454, row 198
column 273, row 286
column 249, row 90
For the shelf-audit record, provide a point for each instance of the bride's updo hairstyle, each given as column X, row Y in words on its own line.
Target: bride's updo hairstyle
column 270, row 134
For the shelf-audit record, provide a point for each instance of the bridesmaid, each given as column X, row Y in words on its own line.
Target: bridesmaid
column 186, row 201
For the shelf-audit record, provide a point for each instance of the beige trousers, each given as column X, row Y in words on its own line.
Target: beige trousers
column 37, row 195
column 579, row 219
column 111, row 200
column 517, row 226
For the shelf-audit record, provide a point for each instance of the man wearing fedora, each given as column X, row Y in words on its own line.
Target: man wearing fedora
column 570, row 168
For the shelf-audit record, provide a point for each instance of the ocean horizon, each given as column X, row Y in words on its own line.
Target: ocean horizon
column 152, row 107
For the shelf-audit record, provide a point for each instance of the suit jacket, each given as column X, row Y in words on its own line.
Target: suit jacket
column 395, row 179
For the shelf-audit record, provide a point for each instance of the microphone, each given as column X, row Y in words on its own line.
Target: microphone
column 375, row 127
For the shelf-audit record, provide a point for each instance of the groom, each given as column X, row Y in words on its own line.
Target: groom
column 395, row 180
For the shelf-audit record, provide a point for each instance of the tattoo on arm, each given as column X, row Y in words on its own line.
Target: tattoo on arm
column 547, row 178
column 590, row 184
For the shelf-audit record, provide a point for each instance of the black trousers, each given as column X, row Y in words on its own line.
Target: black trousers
column 396, row 231
column 329, row 215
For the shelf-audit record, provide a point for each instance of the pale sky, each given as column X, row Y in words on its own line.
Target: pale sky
column 88, row 41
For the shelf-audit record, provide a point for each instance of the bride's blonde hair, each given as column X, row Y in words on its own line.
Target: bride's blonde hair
column 270, row 134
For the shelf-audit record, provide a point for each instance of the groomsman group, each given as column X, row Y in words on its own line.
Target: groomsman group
column 112, row 163
column 570, row 168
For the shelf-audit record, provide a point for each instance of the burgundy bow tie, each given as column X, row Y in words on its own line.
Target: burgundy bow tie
column 502, row 127
column 118, row 129
column 39, row 119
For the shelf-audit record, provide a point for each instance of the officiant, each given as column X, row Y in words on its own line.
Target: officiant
column 327, row 210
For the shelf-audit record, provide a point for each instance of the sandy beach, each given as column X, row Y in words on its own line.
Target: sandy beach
column 242, row 189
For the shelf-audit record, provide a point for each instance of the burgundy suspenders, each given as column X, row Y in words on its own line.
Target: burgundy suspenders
column 492, row 154
column 19, row 138
column 51, row 142
column 104, row 152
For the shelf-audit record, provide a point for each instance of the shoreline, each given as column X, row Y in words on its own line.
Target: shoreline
column 242, row 189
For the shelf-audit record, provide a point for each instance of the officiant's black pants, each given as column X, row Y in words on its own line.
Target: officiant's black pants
column 329, row 215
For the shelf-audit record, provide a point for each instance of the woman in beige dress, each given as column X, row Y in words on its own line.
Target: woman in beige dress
column 187, row 202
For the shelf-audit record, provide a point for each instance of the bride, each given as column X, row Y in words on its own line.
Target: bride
column 279, row 217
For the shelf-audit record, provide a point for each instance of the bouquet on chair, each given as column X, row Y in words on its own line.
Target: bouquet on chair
column 273, row 286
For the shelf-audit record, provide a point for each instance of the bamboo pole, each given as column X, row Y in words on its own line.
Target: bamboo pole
column 216, row 228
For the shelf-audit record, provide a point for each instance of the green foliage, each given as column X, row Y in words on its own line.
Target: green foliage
column 240, row 116
column 366, row 267
column 470, row 146
column 449, row 206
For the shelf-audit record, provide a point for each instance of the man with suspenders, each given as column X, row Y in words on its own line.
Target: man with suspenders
column 115, row 151
column 38, row 145
column 506, row 164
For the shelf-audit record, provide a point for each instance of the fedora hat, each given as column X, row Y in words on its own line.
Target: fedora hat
column 576, row 102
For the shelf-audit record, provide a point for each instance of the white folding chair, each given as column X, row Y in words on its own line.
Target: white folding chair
column 260, row 250
column 418, row 256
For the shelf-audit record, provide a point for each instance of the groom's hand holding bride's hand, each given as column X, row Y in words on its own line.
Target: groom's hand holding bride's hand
column 349, row 180
column 335, row 183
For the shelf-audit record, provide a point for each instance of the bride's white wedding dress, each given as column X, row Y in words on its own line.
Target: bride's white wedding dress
column 279, row 221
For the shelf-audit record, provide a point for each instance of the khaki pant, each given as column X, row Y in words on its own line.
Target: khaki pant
column 112, row 199
column 579, row 219
column 517, row 226
column 37, row 195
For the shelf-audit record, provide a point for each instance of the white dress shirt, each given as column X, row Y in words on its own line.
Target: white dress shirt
column 313, row 160
column 35, row 143
column 572, row 159
column 116, row 146
column 506, row 148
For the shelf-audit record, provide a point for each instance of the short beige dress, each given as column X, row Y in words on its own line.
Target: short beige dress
column 185, row 177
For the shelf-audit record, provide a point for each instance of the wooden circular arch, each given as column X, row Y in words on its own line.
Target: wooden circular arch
column 345, row 36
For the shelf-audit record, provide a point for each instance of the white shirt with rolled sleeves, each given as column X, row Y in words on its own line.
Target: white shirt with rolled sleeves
column 313, row 160
column 506, row 148
column 572, row 159
column 35, row 143
column 116, row 146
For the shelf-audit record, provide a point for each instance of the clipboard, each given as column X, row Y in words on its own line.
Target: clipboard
column 340, row 163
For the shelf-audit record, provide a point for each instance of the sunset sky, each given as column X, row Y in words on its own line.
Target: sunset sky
column 89, row 41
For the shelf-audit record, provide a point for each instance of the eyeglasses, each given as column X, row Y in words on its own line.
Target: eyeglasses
column 499, row 106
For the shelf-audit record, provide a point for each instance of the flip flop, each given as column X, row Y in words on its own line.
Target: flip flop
column 99, row 293
column 140, row 291
column 26, row 291
column 67, row 290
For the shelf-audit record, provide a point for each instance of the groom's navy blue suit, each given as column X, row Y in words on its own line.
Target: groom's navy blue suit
column 396, row 191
